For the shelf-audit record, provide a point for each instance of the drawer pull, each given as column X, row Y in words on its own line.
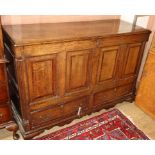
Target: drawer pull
column 62, row 106
column 1, row 115
column 2, row 61
column 79, row 111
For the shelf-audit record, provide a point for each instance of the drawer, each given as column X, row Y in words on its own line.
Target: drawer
column 4, row 114
column 2, row 73
column 3, row 93
column 124, row 90
column 73, row 108
column 104, row 96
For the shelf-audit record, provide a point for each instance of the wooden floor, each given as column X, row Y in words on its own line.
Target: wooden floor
column 137, row 116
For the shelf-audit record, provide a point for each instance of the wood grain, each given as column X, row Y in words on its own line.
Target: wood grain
column 6, row 119
column 145, row 97
column 64, row 71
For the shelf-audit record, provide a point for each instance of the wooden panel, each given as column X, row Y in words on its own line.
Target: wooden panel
column 79, row 45
column 123, row 90
column 77, row 70
column 131, row 64
column 73, row 108
column 3, row 93
column 107, row 63
column 4, row 114
column 2, row 73
column 123, row 39
column 145, row 97
column 103, row 96
column 42, row 49
column 131, row 59
column 76, row 107
column 47, row 115
column 41, row 76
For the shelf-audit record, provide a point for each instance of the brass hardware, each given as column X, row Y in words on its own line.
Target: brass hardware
column 97, row 43
column 2, row 61
column 62, row 106
column 1, row 114
column 115, row 89
column 79, row 111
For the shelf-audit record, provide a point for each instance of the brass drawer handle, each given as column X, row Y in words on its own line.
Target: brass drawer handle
column 79, row 111
column 115, row 89
column 40, row 117
column 2, row 61
column 1, row 114
column 61, row 106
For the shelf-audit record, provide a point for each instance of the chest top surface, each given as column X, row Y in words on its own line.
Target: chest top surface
column 27, row 34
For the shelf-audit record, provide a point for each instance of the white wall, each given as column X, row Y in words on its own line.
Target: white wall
column 141, row 21
column 128, row 18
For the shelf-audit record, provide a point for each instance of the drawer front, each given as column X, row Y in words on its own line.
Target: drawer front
column 103, row 97
column 74, row 108
column 3, row 93
column 4, row 114
column 124, row 90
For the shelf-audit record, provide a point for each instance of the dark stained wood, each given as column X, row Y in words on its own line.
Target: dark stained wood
column 13, row 127
column 59, row 72
column 6, row 118
column 4, row 114
column 3, row 93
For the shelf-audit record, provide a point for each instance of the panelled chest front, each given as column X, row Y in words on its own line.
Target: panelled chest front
column 58, row 72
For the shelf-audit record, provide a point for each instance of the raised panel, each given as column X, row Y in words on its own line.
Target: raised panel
column 42, row 77
column 132, row 59
column 107, row 64
column 77, row 70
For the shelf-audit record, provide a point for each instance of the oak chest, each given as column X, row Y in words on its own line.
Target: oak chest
column 59, row 72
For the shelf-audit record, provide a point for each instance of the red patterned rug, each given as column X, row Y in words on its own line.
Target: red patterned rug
column 111, row 125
